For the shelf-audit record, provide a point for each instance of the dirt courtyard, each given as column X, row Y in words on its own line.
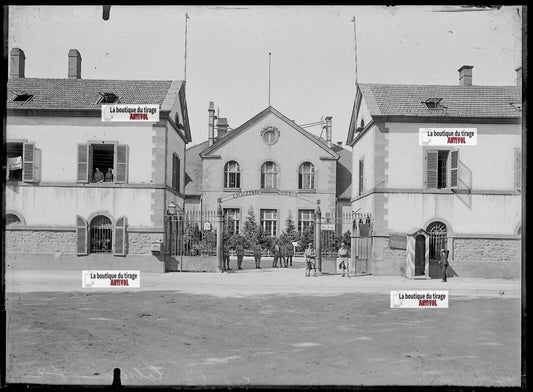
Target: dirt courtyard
column 173, row 338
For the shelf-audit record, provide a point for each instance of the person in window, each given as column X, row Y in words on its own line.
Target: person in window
column 257, row 254
column 310, row 256
column 109, row 175
column 344, row 256
column 239, row 249
column 290, row 252
column 98, row 176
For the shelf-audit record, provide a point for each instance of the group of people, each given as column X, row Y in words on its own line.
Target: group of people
column 283, row 253
column 98, row 176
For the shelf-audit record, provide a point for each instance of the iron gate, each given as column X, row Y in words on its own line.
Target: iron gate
column 438, row 240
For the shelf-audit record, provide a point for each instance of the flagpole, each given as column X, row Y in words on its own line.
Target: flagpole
column 269, row 64
column 185, row 66
column 355, row 45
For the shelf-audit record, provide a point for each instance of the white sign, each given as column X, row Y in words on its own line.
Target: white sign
column 419, row 299
column 123, row 112
column 328, row 226
column 110, row 279
column 207, row 226
column 447, row 137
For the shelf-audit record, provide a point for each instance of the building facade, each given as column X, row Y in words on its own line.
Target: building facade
column 56, row 139
column 268, row 164
column 467, row 198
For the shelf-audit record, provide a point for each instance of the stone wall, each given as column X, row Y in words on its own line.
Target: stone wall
column 40, row 241
column 141, row 243
column 475, row 249
column 64, row 242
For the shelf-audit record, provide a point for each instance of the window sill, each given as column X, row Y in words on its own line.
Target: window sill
column 232, row 190
column 306, row 190
column 269, row 190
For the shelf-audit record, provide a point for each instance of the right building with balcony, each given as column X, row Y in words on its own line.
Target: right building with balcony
column 422, row 197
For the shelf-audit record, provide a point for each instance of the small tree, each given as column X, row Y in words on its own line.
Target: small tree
column 251, row 229
column 307, row 236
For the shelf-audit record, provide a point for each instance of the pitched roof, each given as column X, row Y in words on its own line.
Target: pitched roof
column 84, row 93
column 459, row 101
column 230, row 135
column 344, row 173
column 193, row 169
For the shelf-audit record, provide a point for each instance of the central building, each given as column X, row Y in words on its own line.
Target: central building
column 269, row 164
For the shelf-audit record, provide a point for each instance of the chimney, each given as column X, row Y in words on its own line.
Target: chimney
column 328, row 131
column 518, row 77
column 74, row 64
column 18, row 62
column 465, row 75
column 222, row 126
column 211, row 124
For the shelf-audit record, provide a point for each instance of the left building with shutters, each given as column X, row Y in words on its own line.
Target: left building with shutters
column 57, row 213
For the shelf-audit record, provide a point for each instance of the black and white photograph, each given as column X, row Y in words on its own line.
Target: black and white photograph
column 264, row 196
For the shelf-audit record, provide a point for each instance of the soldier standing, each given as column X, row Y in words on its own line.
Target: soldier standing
column 310, row 256
column 290, row 252
column 225, row 256
column 344, row 256
column 283, row 255
column 257, row 255
column 239, row 249
column 276, row 255
column 444, row 263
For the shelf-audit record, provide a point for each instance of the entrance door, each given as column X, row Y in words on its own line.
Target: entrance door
column 420, row 255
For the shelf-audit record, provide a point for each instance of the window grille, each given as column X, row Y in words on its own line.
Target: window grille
column 438, row 238
column 101, row 235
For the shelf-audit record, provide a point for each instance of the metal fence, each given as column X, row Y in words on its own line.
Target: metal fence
column 191, row 233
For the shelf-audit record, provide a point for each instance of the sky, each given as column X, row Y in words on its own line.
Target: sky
column 312, row 71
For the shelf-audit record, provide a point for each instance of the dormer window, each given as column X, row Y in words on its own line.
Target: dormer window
column 107, row 98
column 433, row 103
column 22, row 97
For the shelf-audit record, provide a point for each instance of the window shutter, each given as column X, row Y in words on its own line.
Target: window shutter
column 121, row 164
column 454, row 169
column 432, row 159
column 178, row 172
column 518, row 169
column 120, row 237
column 81, row 236
column 174, row 172
column 28, row 157
column 83, row 163
column 361, row 176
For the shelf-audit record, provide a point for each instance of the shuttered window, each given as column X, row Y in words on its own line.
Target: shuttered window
column 176, row 172
column 83, row 163
column 518, row 169
column 431, row 168
column 361, row 175
column 81, row 236
column 441, row 169
column 120, row 237
column 121, row 163
column 28, row 159
column 454, row 169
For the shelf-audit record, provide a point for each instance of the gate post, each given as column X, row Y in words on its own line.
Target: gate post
column 318, row 235
column 220, row 227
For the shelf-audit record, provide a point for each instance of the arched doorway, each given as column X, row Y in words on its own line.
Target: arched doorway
column 438, row 240
column 100, row 235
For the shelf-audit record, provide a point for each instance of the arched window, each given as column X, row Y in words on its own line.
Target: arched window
column 12, row 219
column 438, row 238
column 269, row 175
column 100, row 235
column 232, row 175
column 306, row 176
